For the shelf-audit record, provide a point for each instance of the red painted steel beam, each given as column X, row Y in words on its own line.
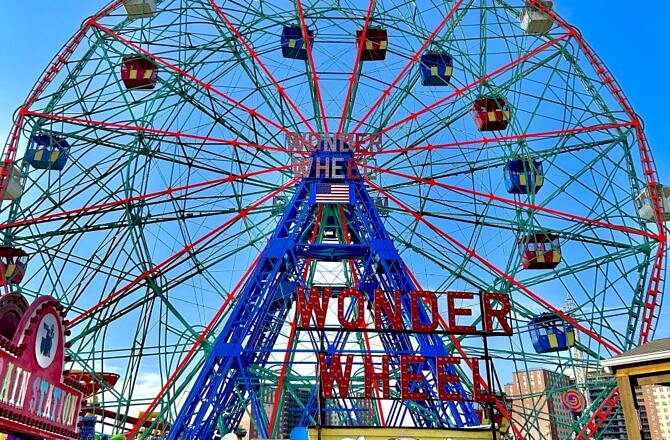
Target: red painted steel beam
column 281, row 90
column 353, row 78
column 156, row 131
column 185, row 250
column 414, row 116
column 312, row 67
column 207, row 86
column 471, row 253
column 412, row 61
column 217, row 316
column 498, row 139
column 143, row 197
column 516, row 203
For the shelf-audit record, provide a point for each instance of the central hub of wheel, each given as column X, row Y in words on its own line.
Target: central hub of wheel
column 335, row 156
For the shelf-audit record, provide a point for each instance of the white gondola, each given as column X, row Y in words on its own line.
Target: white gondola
column 644, row 208
column 534, row 21
column 279, row 204
column 15, row 185
column 140, row 8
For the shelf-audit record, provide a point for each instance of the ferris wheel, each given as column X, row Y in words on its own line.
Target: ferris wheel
column 184, row 167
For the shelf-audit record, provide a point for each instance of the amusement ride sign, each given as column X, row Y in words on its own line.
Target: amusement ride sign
column 312, row 310
column 337, row 162
column 35, row 399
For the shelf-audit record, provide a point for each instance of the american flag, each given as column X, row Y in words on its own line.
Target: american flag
column 332, row 193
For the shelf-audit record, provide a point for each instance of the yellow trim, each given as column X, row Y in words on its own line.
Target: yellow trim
column 448, row 70
column 369, row 45
column 38, row 155
column 492, row 116
column 434, row 71
column 10, row 270
column 539, row 257
column 148, row 73
column 291, row 43
column 54, row 156
column 365, row 433
column 553, row 340
column 557, row 256
column 132, row 74
column 522, row 179
column 383, row 44
column 570, row 336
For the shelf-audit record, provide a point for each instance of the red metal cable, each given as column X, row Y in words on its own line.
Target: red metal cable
column 310, row 57
column 282, row 91
column 186, row 249
column 413, row 59
column 352, row 78
column 473, row 254
column 497, row 139
column 207, row 86
column 516, row 203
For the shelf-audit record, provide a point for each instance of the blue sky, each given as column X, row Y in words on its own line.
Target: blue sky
column 630, row 40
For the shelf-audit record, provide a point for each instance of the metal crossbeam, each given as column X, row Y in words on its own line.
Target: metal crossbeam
column 228, row 384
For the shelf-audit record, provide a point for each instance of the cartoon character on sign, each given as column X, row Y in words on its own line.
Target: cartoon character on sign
column 47, row 340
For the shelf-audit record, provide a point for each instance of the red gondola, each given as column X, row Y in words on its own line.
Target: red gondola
column 491, row 113
column 376, row 42
column 13, row 264
column 139, row 73
column 540, row 251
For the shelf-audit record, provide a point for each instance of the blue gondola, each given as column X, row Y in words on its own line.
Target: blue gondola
column 436, row 69
column 523, row 176
column 550, row 333
column 292, row 44
column 47, row 152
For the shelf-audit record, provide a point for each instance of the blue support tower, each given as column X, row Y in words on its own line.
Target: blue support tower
column 228, row 383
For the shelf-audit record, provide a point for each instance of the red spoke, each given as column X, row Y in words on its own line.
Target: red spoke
column 310, row 57
column 516, row 203
column 412, row 61
column 185, row 250
column 191, row 352
column 464, row 355
column 499, row 139
column 287, row 353
column 652, row 297
column 472, row 254
column 156, row 131
column 354, row 78
column 354, row 278
column 143, row 197
column 50, row 73
column 207, row 86
column 254, row 55
column 282, row 374
column 458, row 92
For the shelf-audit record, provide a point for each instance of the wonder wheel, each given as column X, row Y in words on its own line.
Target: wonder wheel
column 169, row 179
